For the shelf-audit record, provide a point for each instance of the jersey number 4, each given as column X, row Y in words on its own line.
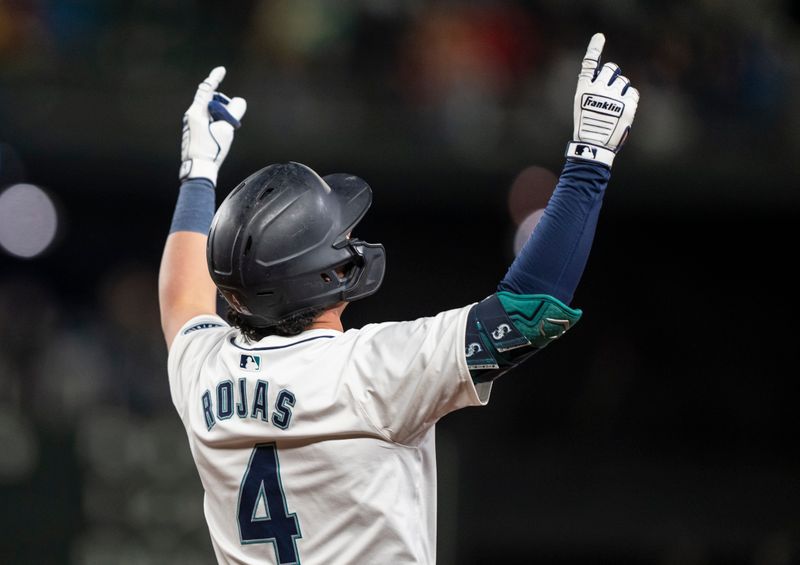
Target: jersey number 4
column 263, row 516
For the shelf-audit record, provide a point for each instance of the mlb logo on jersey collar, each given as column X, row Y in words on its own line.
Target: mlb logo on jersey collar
column 250, row 362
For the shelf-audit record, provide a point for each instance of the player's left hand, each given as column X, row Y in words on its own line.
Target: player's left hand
column 604, row 107
column 208, row 127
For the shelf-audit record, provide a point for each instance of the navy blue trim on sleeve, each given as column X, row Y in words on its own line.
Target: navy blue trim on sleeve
column 201, row 326
column 554, row 257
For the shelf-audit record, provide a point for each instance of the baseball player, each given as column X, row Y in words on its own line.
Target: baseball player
column 316, row 444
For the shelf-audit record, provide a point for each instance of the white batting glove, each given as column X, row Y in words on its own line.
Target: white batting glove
column 605, row 105
column 208, row 127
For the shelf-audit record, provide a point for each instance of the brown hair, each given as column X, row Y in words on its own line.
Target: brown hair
column 288, row 327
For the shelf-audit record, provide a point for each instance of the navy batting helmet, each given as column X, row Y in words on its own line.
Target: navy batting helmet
column 279, row 244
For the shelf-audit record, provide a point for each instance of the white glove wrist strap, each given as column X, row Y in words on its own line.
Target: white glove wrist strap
column 590, row 152
column 199, row 169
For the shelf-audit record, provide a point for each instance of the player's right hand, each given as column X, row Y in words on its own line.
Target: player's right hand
column 208, row 127
column 604, row 107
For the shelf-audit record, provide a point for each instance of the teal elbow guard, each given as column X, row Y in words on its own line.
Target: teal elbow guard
column 506, row 328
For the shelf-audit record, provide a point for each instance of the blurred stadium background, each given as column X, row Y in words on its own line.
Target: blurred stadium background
column 663, row 430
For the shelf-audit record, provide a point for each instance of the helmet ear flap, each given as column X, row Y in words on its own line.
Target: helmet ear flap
column 368, row 276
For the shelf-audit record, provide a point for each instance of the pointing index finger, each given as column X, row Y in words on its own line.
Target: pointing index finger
column 592, row 58
column 214, row 78
column 205, row 90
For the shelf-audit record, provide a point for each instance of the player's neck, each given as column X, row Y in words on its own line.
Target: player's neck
column 330, row 319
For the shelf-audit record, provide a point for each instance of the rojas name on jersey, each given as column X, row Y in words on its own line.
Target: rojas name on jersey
column 246, row 400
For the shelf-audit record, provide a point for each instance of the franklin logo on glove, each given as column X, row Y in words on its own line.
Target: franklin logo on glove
column 602, row 105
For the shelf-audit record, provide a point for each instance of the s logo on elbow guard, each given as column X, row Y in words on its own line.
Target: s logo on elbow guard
column 473, row 348
column 501, row 331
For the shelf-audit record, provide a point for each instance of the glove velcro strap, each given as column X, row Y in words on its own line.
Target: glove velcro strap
column 589, row 152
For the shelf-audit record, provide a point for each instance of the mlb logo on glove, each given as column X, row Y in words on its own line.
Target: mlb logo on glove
column 585, row 151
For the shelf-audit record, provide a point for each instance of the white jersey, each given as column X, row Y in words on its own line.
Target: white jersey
column 319, row 448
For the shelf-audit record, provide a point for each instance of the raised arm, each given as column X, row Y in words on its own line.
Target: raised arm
column 531, row 308
column 185, row 289
column 553, row 259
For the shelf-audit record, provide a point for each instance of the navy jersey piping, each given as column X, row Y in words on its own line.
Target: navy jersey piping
column 233, row 342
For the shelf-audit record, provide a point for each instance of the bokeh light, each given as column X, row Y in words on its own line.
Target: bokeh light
column 527, row 198
column 28, row 220
column 525, row 229
column 530, row 191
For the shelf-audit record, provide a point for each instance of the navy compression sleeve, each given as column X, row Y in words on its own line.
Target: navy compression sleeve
column 552, row 260
column 194, row 209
